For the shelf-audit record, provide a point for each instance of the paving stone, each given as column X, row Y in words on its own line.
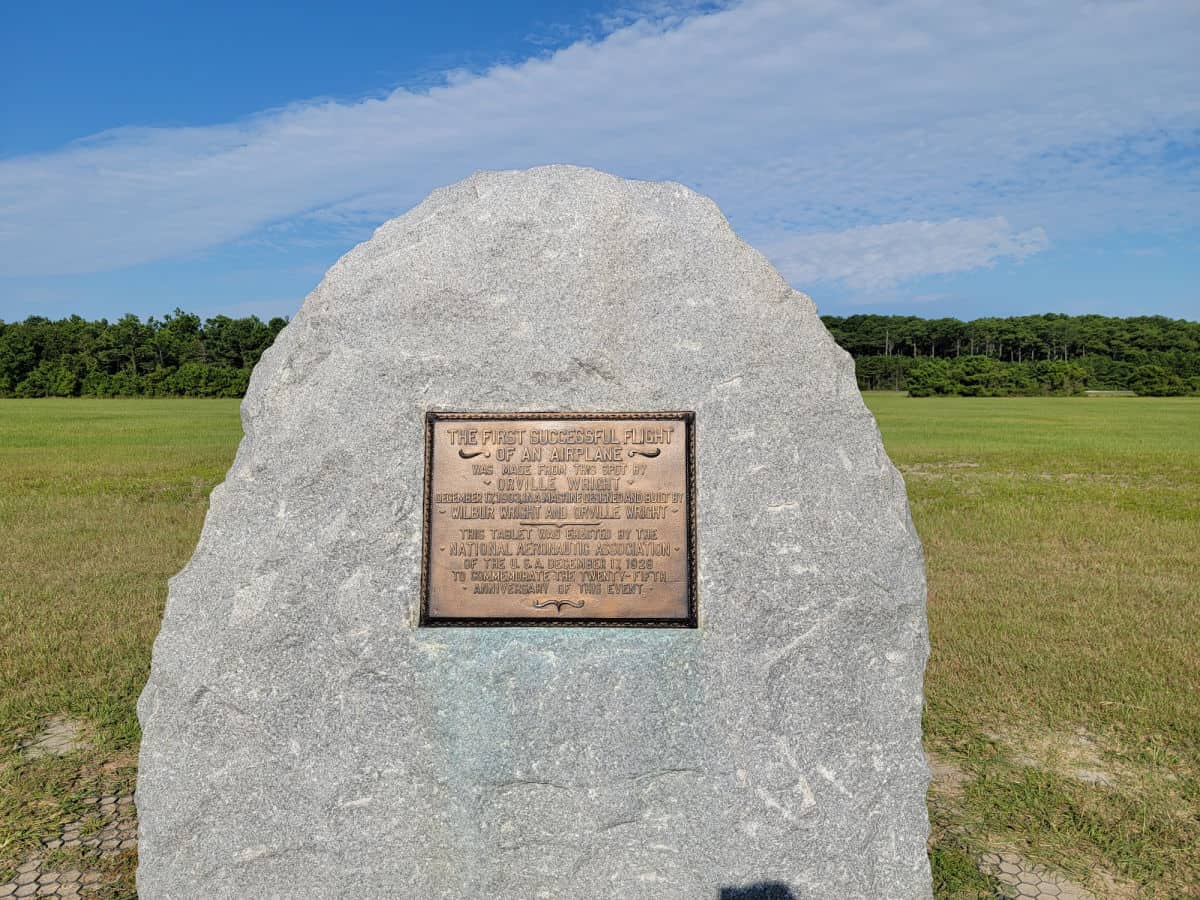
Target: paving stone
column 128, row 844
column 61, row 735
column 31, row 864
column 7, row 889
column 1092, row 776
column 26, row 877
column 47, row 890
column 25, row 890
column 48, row 878
column 1031, row 880
column 90, row 877
column 125, row 801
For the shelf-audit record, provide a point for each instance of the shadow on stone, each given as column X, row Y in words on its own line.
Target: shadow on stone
column 767, row 890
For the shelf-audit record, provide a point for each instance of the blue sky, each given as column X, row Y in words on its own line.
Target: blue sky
column 936, row 157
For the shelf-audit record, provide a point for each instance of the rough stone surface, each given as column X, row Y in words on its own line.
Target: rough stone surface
column 302, row 737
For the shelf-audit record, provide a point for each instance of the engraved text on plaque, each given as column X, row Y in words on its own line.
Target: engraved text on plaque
column 559, row 519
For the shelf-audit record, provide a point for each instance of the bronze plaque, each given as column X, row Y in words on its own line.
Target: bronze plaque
column 559, row 519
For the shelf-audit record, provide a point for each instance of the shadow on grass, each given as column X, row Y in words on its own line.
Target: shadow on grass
column 767, row 890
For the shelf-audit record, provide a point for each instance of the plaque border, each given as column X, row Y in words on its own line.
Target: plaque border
column 688, row 417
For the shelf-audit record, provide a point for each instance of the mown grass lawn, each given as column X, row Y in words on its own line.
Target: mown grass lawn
column 100, row 502
column 1063, row 545
column 1062, row 539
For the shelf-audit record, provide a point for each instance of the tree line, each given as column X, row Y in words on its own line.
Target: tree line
column 175, row 356
column 181, row 356
column 1022, row 355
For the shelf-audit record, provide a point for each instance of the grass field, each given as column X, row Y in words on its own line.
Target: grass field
column 1063, row 547
column 1062, row 539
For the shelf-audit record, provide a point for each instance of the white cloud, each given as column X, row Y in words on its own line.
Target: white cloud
column 873, row 257
column 825, row 116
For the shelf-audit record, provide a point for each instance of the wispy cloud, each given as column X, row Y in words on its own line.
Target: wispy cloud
column 873, row 257
column 866, row 142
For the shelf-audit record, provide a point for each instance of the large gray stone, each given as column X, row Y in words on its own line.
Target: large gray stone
column 304, row 738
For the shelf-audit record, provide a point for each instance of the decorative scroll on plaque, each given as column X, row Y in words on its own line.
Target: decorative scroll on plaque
column 559, row 519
